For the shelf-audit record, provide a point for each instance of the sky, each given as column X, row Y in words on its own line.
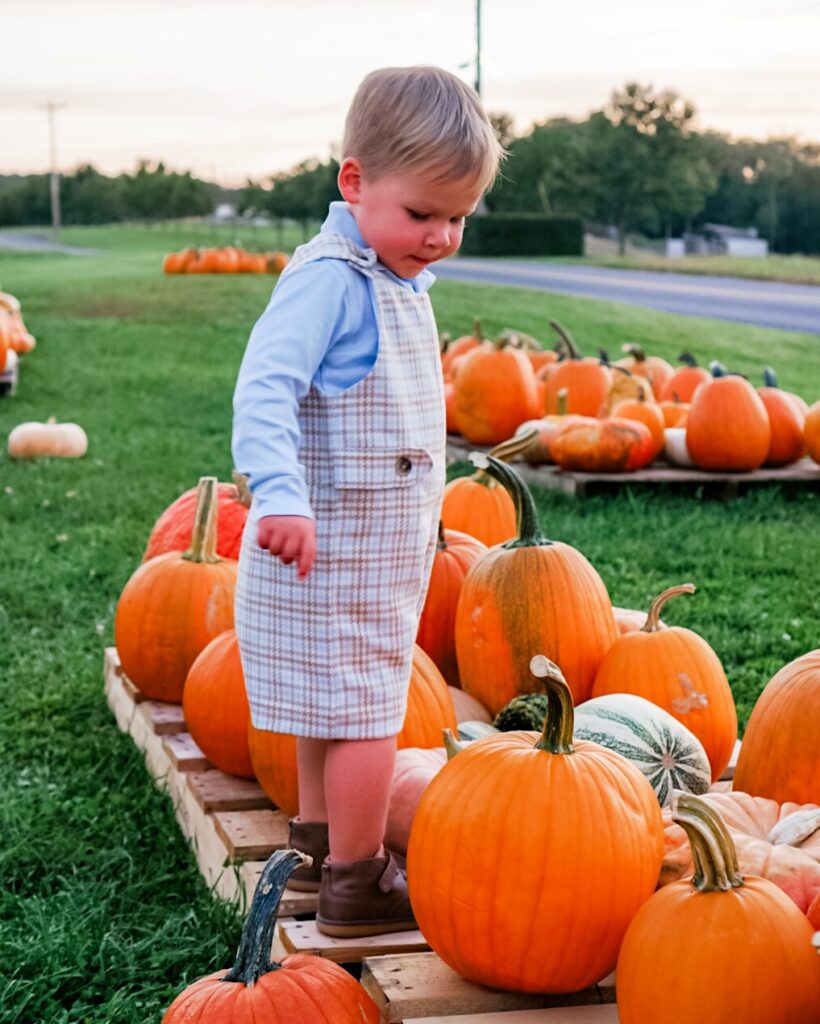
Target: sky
column 238, row 89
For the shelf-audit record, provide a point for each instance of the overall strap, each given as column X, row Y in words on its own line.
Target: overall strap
column 334, row 247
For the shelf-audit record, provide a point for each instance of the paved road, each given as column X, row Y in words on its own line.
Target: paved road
column 789, row 307
column 39, row 243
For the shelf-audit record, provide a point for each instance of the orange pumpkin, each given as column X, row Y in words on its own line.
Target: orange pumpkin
column 780, row 842
column 675, row 414
column 625, row 385
column 630, row 620
column 529, row 594
column 494, row 392
column 215, row 705
column 172, row 531
column 273, row 756
column 304, row 988
column 429, row 705
column 179, row 262
column 413, row 770
column 681, row 954
column 5, row 337
column 728, row 427
column 455, row 553
column 780, row 754
column 507, row 842
column 454, row 349
column 787, row 421
column 677, row 670
column 587, row 381
column 276, row 262
column 479, row 505
column 173, row 606
column 648, row 413
column 612, row 445
column 685, row 381
column 811, row 432
column 656, row 370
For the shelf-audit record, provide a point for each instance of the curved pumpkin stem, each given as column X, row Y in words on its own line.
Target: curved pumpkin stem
column 526, row 515
column 253, row 956
column 240, row 482
column 652, row 624
column 444, row 341
column 203, row 538
column 559, row 724
column 770, row 377
column 569, row 345
column 687, row 359
column 717, row 369
column 713, row 850
column 441, row 544
column 452, row 745
column 561, row 402
column 635, row 351
column 504, row 450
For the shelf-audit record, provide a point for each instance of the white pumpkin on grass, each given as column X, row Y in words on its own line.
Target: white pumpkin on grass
column 53, row 439
column 660, row 747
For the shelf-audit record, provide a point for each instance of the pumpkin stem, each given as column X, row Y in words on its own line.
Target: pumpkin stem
column 770, row 377
column 564, row 335
column 561, row 402
column 714, row 854
column 515, row 445
column 240, row 482
column 652, row 624
column 203, row 538
column 559, row 724
column 526, row 515
column 603, row 357
column 687, row 359
column 452, row 745
column 253, row 956
column 444, row 341
column 441, row 544
column 477, row 333
column 717, row 369
column 635, row 351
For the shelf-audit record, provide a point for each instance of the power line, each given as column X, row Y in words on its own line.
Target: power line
column 52, row 108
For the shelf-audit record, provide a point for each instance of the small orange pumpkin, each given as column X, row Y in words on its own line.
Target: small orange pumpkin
column 648, row 413
column 611, row 445
column 787, row 421
column 685, row 381
column 454, row 349
column 656, row 370
column 728, row 427
column 811, row 432
column 587, row 380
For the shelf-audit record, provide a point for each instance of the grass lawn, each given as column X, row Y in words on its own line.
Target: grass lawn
column 792, row 269
column 103, row 917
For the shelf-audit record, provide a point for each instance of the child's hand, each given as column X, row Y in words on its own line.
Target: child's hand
column 291, row 538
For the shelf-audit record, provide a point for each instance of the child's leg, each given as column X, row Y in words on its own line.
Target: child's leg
column 357, row 781
column 310, row 759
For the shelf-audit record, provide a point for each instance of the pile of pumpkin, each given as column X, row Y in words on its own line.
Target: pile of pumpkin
column 588, row 414
column 562, row 833
column 226, row 259
column 15, row 340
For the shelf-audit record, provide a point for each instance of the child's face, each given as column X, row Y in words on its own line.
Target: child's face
column 408, row 219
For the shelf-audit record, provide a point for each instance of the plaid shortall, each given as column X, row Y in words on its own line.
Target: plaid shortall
column 330, row 656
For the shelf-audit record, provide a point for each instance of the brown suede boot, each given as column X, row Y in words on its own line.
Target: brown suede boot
column 308, row 837
column 364, row 897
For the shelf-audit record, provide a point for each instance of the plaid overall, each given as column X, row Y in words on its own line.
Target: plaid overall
column 330, row 656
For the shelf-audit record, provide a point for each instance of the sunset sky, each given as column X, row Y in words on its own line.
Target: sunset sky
column 241, row 89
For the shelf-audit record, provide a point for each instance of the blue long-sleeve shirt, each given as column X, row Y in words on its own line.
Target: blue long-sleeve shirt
column 319, row 328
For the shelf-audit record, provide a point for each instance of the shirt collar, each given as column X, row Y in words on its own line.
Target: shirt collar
column 340, row 221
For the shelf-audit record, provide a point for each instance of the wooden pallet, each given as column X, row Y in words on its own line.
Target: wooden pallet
column 10, row 375
column 580, row 485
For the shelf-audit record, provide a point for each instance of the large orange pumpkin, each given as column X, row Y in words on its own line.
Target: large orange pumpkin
column 728, row 427
column 780, row 754
column 587, row 380
column 216, row 707
column 677, row 670
column 811, row 432
column 172, row 531
column 529, row 855
column 718, row 948
column 685, row 381
column 455, row 553
column 494, row 392
column 461, row 346
column 478, row 504
column 302, row 988
column 656, row 370
column 788, row 422
column 611, row 445
column 173, row 606
column 529, row 594
column 273, row 756
column 780, row 842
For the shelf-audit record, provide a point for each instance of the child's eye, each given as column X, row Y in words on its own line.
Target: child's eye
column 458, row 220
column 415, row 215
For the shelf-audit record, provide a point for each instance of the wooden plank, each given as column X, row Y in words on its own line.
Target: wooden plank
column 422, row 985
column 164, row 719
column 305, row 937
column 214, row 790
column 293, row 902
column 252, row 835
column 184, row 754
column 601, row 1014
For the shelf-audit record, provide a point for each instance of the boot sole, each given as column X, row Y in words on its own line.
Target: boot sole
column 303, row 886
column 362, row 928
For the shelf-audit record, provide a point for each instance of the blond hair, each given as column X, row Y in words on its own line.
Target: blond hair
column 421, row 119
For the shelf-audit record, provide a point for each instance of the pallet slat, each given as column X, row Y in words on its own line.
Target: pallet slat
column 252, row 835
column 305, row 937
column 184, row 754
column 564, row 1015
column 422, row 985
column 164, row 719
column 213, row 790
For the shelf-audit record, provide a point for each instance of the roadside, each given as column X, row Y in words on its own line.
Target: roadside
column 25, row 242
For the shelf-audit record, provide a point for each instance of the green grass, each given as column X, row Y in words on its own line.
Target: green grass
column 791, row 269
column 103, row 916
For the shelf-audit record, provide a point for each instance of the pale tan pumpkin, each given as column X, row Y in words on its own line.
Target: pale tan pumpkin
column 57, row 440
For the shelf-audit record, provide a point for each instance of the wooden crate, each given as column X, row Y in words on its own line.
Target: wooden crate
column 9, row 377
column 580, row 485
column 421, row 986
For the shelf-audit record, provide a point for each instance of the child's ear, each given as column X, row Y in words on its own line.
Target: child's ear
column 350, row 179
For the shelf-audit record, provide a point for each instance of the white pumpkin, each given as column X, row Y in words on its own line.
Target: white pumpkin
column 674, row 443
column 58, row 440
column 660, row 747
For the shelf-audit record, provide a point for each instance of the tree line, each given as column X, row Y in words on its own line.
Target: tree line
column 638, row 164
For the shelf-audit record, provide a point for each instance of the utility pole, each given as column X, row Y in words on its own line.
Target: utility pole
column 52, row 108
column 478, row 46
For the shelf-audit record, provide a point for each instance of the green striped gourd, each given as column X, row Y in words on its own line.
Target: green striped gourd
column 663, row 749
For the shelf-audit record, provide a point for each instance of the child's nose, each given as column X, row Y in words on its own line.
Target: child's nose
column 439, row 236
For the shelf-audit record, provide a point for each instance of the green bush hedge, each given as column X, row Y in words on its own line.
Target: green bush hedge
column 523, row 234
